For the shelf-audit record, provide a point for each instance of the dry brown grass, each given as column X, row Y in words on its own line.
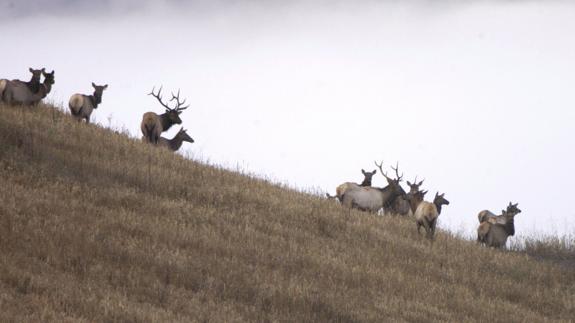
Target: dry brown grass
column 95, row 226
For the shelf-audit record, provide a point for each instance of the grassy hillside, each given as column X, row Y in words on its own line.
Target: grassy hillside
column 95, row 226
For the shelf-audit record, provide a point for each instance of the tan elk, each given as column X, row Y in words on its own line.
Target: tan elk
column 427, row 213
column 373, row 199
column 153, row 124
column 175, row 143
column 25, row 93
column 341, row 189
column 81, row 105
column 415, row 196
column 495, row 230
column 33, row 84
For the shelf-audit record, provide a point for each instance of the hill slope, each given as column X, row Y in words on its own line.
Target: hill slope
column 95, row 226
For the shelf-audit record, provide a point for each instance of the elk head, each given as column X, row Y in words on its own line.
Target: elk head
column 440, row 200
column 184, row 136
column 414, row 188
column 512, row 210
column 48, row 77
column 173, row 114
column 98, row 90
column 36, row 73
column 392, row 182
column 367, row 177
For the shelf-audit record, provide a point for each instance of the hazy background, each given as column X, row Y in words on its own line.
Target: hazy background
column 474, row 96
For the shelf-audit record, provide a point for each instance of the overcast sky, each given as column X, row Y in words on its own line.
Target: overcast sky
column 475, row 96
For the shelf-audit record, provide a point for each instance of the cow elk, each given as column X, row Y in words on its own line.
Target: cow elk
column 341, row 189
column 175, row 143
column 153, row 124
column 33, row 84
column 494, row 230
column 18, row 92
column 81, row 105
column 427, row 213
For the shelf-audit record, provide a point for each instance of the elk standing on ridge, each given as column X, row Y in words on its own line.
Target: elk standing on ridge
column 18, row 92
column 81, row 105
column 495, row 230
column 175, row 143
column 153, row 124
column 427, row 213
column 372, row 198
column 415, row 196
column 341, row 189
column 33, row 84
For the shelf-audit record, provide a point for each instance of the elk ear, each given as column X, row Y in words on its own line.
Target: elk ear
column 423, row 193
column 31, row 70
column 409, row 183
column 374, row 172
column 43, row 70
column 362, row 171
column 105, row 86
column 419, row 184
column 93, row 85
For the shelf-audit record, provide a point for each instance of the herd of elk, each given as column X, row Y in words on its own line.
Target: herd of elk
column 17, row 92
column 493, row 230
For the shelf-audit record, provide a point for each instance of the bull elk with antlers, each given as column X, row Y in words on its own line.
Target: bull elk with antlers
column 372, row 198
column 154, row 124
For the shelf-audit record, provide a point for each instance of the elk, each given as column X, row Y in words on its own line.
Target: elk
column 341, row 189
column 427, row 213
column 367, row 177
column 33, row 84
column 487, row 215
column 372, row 198
column 81, row 105
column 153, row 124
column 415, row 196
column 17, row 92
column 400, row 204
column 495, row 230
column 175, row 143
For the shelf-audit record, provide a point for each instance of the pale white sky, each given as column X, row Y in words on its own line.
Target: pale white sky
column 476, row 98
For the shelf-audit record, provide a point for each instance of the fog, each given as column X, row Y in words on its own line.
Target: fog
column 474, row 96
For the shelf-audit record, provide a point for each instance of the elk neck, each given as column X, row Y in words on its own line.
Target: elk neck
column 365, row 182
column 176, row 142
column 437, row 206
column 165, row 119
column 510, row 227
column 34, row 84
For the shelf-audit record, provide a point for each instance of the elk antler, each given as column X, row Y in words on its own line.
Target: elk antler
column 396, row 172
column 159, row 97
column 178, row 103
column 380, row 165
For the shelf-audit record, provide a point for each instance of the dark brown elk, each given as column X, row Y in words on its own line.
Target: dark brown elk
column 427, row 213
column 81, row 105
column 495, row 230
column 20, row 93
column 341, row 189
column 373, row 199
column 154, row 124
column 175, row 143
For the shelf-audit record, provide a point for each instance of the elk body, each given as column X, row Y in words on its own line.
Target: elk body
column 154, row 124
column 27, row 93
column 372, row 198
column 175, row 143
column 494, row 230
column 33, row 84
column 81, row 105
column 341, row 189
column 427, row 213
